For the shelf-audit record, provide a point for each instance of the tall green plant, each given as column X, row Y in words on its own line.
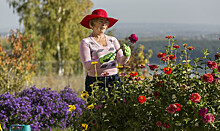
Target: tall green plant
column 55, row 24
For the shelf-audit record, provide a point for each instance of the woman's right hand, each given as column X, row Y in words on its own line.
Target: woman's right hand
column 108, row 57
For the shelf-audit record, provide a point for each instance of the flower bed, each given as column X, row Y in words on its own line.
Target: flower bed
column 174, row 97
column 41, row 108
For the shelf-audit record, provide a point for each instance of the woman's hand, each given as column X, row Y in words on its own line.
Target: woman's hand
column 108, row 57
column 126, row 50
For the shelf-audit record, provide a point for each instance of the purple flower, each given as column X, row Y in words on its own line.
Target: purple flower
column 98, row 107
column 203, row 111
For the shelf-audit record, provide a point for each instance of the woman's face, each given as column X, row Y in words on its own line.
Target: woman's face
column 100, row 25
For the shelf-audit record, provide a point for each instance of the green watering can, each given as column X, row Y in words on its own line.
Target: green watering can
column 23, row 128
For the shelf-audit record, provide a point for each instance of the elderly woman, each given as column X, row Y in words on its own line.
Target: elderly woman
column 101, row 49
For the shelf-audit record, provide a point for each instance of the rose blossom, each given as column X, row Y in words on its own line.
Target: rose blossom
column 160, row 55
column 133, row 38
column 172, row 108
column 159, row 123
column 153, row 67
column 195, row 97
column 167, row 70
column 212, row 65
column 166, row 125
column 203, row 111
column 208, row 118
column 208, row 78
column 141, row 99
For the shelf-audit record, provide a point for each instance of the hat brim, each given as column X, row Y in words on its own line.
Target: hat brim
column 86, row 19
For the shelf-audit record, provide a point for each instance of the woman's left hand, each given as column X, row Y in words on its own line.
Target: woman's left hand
column 126, row 50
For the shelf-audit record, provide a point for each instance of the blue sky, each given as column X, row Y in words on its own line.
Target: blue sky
column 141, row 11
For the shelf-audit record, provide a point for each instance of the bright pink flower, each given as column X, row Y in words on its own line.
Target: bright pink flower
column 133, row 38
column 98, row 107
column 105, row 74
column 159, row 123
column 212, row 65
column 208, row 78
column 172, row 108
column 203, row 111
column 195, row 97
column 208, row 118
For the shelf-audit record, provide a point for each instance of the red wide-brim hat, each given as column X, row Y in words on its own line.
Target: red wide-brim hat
column 98, row 13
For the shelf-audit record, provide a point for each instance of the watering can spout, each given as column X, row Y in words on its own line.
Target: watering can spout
column 23, row 128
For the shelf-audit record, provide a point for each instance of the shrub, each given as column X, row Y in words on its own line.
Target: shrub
column 41, row 108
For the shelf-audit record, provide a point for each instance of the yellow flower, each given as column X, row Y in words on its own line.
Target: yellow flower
column 94, row 62
column 84, row 92
column 91, row 85
column 84, row 126
column 119, row 66
column 72, row 108
column 90, row 107
column 1, row 128
column 84, row 95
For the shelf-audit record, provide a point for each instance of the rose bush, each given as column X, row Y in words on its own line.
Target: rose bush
column 178, row 95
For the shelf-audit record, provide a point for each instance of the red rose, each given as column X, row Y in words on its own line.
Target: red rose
column 141, row 99
column 178, row 107
column 190, row 48
column 133, row 38
column 172, row 57
column 167, row 70
column 159, row 83
column 176, row 46
column 172, row 108
column 208, row 77
column 166, row 125
column 160, row 55
column 156, row 95
column 169, row 37
column 195, row 97
column 152, row 67
column 133, row 74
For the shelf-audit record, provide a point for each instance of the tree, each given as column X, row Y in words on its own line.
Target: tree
column 55, row 25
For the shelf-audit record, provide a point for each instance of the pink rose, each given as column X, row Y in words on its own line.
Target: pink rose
column 195, row 97
column 172, row 108
column 208, row 118
column 212, row 65
column 159, row 123
column 208, row 78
